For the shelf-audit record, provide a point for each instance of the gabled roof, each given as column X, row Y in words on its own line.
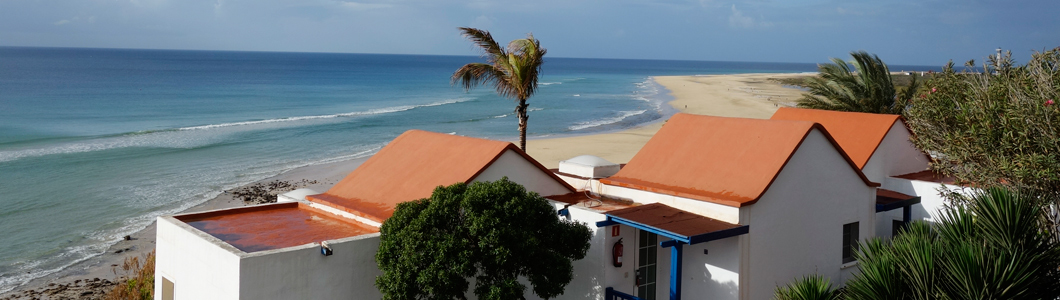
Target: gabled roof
column 860, row 134
column 410, row 167
column 730, row 161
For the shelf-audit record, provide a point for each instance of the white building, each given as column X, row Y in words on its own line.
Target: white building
column 880, row 145
column 710, row 208
column 273, row 252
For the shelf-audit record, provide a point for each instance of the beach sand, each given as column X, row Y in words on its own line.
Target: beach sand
column 739, row 95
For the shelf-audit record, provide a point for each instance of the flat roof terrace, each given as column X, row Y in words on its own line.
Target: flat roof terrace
column 275, row 226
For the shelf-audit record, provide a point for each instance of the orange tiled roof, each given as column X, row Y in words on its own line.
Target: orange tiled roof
column 730, row 161
column 410, row 167
column 858, row 133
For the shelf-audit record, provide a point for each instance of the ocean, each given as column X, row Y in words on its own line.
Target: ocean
column 96, row 143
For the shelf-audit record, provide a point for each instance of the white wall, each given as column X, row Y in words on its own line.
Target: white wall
column 594, row 272
column 796, row 228
column 714, row 276
column 204, row 267
column 521, row 171
column 895, row 156
column 301, row 272
column 199, row 265
column 930, row 193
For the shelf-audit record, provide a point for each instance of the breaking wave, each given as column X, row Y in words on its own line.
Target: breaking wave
column 178, row 137
column 605, row 121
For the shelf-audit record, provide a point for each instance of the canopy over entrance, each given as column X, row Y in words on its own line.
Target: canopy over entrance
column 684, row 228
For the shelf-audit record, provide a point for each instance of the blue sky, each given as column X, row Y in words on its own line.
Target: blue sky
column 923, row 32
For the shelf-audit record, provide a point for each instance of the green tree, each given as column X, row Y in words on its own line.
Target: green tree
column 868, row 88
column 999, row 127
column 495, row 232
column 512, row 71
column 994, row 247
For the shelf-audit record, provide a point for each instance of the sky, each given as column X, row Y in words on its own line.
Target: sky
column 905, row 32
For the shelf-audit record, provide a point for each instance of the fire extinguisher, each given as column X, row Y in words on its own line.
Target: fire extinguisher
column 616, row 254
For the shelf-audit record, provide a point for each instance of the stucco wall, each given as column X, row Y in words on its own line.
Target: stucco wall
column 594, row 272
column 303, row 273
column 199, row 265
column 797, row 226
column 715, row 275
column 896, row 155
column 930, row 193
column 521, row 171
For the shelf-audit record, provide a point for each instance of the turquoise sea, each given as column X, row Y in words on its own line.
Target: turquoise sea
column 96, row 143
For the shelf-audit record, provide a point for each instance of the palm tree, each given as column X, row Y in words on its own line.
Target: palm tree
column 512, row 71
column 866, row 89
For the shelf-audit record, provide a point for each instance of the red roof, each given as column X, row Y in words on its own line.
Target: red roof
column 860, row 134
column 658, row 215
column 275, row 226
column 730, row 161
column 410, row 167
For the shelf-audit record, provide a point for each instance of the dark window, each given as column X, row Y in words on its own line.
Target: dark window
column 896, row 226
column 647, row 247
column 850, row 241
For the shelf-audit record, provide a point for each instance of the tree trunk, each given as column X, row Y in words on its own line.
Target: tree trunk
column 520, row 111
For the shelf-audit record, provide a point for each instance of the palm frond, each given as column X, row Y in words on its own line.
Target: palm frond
column 493, row 52
column 865, row 88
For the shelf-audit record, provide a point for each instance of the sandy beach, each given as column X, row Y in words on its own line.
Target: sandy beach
column 739, row 95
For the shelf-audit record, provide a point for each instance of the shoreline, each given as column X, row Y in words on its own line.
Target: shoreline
column 751, row 95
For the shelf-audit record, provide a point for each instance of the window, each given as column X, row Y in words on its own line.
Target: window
column 850, row 241
column 167, row 289
column 896, row 226
column 647, row 245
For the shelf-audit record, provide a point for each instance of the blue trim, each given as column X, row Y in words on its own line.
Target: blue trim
column 646, row 228
column 720, row 234
column 675, row 271
column 564, row 212
column 897, row 205
column 611, row 294
column 691, row 240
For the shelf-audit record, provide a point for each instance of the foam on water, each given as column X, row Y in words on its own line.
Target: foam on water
column 377, row 111
column 622, row 115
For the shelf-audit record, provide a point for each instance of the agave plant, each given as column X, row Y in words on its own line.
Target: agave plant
column 995, row 246
column 867, row 88
column 812, row 287
column 513, row 71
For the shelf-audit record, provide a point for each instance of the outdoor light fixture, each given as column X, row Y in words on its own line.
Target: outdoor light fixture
column 325, row 249
column 704, row 251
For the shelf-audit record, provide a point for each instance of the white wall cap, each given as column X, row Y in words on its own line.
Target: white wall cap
column 295, row 195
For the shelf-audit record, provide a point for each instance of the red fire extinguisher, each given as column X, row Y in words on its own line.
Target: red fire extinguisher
column 616, row 254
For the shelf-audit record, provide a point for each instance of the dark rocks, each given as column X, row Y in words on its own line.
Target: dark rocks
column 265, row 192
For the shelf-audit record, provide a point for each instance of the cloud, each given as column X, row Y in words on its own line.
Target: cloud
column 62, row 22
column 739, row 20
column 482, row 21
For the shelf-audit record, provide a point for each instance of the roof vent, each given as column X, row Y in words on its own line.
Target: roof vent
column 589, row 166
